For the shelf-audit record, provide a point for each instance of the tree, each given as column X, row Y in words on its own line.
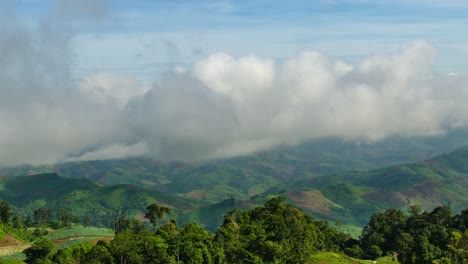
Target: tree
column 142, row 247
column 381, row 234
column 17, row 222
column 99, row 254
column 274, row 233
column 39, row 251
column 171, row 234
column 196, row 244
column 155, row 212
column 119, row 215
column 61, row 257
column 65, row 217
column 134, row 225
column 42, row 216
column 86, row 221
column 5, row 212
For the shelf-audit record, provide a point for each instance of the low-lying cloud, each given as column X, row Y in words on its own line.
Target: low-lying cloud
column 225, row 106
column 221, row 106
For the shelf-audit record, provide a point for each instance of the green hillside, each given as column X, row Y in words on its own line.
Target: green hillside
column 82, row 197
column 213, row 181
column 332, row 179
column 352, row 197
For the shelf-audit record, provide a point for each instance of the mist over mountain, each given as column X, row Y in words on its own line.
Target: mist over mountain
column 172, row 122
column 220, row 106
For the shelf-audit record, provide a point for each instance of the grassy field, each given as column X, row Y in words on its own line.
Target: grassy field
column 62, row 238
column 331, row 257
column 79, row 231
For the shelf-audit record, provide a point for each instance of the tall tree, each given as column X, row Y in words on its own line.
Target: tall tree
column 65, row 217
column 118, row 217
column 196, row 244
column 5, row 212
column 17, row 222
column 42, row 216
column 155, row 212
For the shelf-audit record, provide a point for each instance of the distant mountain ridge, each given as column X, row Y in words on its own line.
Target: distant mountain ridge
column 334, row 180
column 242, row 177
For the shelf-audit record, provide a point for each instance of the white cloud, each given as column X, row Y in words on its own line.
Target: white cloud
column 112, row 152
column 221, row 106
column 106, row 88
column 228, row 106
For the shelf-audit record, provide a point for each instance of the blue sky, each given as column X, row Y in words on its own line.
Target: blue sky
column 143, row 38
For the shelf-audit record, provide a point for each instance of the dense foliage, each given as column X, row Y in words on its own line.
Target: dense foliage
column 274, row 233
column 419, row 237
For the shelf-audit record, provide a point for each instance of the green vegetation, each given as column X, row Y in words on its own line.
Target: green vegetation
column 352, row 197
column 347, row 197
column 273, row 233
column 211, row 216
column 243, row 177
column 79, row 231
column 330, row 181
column 39, row 252
column 155, row 212
column 420, row 237
column 45, row 196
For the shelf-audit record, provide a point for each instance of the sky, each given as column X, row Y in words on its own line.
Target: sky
column 196, row 80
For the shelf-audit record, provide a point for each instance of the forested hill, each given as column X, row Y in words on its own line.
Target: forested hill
column 331, row 179
column 349, row 197
column 84, row 199
column 242, row 177
column 354, row 196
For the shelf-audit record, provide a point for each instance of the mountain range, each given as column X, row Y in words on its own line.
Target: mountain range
column 334, row 180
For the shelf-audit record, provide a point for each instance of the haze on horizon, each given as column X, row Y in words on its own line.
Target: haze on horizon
column 89, row 80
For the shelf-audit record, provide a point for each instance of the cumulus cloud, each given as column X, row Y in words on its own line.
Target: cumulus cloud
column 43, row 116
column 221, row 106
column 226, row 106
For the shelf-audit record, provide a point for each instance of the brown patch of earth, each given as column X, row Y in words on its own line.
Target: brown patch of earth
column 311, row 201
column 141, row 216
column 462, row 181
column 105, row 239
column 97, row 238
column 424, row 189
column 151, row 183
column 197, row 194
column 8, row 240
column 10, row 245
column 10, row 250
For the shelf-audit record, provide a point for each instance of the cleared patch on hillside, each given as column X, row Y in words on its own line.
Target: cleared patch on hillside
column 312, row 201
column 196, row 194
column 148, row 183
column 8, row 240
column 426, row 189
column 425, row 194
